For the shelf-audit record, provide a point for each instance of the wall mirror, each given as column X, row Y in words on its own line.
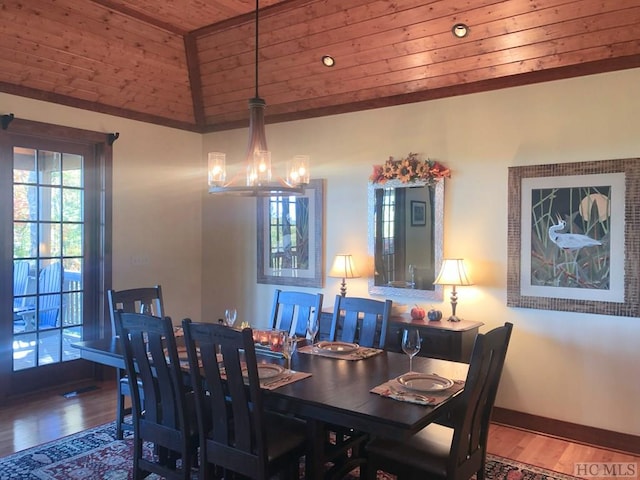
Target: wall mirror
column 405, row 238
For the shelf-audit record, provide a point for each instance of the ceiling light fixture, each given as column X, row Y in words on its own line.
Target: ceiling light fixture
column 328, row 61
column 259, row 181
column 460, row 30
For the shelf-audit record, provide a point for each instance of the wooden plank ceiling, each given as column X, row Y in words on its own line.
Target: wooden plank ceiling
column 190, row 64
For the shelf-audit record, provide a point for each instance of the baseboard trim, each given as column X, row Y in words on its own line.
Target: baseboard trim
column 571, row 431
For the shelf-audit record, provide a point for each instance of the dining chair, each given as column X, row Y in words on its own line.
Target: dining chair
column 291, row 310
column 457, row 452
column 360, row 320
column 135, row 300
column 167, row 418
column 236, row 434
column 363, row 321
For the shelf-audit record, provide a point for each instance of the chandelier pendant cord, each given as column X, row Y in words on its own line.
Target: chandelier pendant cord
column 256, row 62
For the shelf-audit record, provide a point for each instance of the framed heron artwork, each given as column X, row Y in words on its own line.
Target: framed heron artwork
column 573, row 238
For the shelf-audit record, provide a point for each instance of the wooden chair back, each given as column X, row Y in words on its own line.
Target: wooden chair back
column 473, row 413
column 146, row 300
column 360, row 320
column 291, row 311
column 230, row 410
column 135, row 300
column 151, row 360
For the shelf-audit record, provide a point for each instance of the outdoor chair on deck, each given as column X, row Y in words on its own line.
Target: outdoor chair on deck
column 49, row 295
column 20, row 283
column 49, row 287
column 457, row 453
column 291, row 311
column 236, row 434
column 167, row 419
column 135, row 300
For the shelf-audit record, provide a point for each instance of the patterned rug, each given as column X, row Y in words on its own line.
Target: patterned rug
column 96, row 454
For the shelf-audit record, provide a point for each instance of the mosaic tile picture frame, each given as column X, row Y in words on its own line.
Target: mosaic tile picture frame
column 574, row 237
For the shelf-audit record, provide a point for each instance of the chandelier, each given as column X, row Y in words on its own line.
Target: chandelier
column 258, row 173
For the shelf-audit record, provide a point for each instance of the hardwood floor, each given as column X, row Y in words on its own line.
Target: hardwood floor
column 40, row 418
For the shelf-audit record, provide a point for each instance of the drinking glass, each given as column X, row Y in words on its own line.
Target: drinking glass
column 230, row 315
column 312, row 329
column 411, row 344
column 288, row 348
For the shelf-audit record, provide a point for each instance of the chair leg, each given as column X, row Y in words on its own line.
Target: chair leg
column 364, row 469
column 138, row 473
column 480, row 473
column 370, row 471
column 120, row 409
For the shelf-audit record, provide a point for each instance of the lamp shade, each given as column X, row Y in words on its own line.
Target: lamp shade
column 344, row 267
column 453, row 272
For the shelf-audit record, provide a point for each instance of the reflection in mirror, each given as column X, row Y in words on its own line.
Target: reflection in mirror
column 405, row 238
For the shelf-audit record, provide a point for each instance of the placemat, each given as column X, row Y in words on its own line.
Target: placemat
column 360, row 354
column 284, row 379
column 395, row 390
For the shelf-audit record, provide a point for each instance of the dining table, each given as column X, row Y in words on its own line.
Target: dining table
column 337, row 392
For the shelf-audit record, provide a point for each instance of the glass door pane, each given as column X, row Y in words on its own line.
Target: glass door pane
column 48, row 251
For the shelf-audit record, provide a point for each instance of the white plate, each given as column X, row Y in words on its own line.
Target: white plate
column 424, row 382
column 266, row 370
column 338, row 347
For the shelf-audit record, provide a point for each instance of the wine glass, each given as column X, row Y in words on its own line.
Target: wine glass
column 288, row 348
column 312, row 329
column 230, row 315
column 412, row 275
column 411, row 344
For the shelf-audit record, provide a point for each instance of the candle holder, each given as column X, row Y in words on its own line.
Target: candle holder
column 275, row 340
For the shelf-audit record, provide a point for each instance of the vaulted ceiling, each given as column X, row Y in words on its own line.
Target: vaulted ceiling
column 190, row 64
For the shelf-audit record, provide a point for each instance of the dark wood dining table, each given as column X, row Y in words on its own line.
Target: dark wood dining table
column 337, row 392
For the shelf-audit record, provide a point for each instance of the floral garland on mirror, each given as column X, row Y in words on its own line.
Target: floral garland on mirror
column 409, row 169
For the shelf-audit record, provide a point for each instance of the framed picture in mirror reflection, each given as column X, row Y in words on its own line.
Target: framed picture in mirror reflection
column 418, row 213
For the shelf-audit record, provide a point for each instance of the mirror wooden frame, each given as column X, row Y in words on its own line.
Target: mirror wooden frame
column 435, row 295
column 309, row 277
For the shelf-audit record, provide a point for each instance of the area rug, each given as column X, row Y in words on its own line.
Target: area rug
column 96, row 454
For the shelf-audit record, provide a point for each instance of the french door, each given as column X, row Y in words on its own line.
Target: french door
column 54, row 229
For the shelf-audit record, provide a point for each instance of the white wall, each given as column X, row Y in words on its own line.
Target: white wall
column 561, row 365
column 203, row 249
column 157, row 184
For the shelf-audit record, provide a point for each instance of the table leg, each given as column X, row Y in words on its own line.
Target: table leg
column 314, row 464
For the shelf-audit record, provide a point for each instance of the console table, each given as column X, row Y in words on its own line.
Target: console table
column 442, row 339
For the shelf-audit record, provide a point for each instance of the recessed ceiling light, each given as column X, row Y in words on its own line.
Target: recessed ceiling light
column 460, row 30
column 328, row 61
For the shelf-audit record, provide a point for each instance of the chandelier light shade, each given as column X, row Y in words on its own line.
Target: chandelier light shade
column 259, row 177
column 453, row 273
column 217, row 169
column 343, row 267
column 298, row 170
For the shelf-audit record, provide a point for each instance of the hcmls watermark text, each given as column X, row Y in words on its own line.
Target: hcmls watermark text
column 606, row 469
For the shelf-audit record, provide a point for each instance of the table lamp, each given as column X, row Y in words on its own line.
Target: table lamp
column 343, row 267
column 453, row 273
